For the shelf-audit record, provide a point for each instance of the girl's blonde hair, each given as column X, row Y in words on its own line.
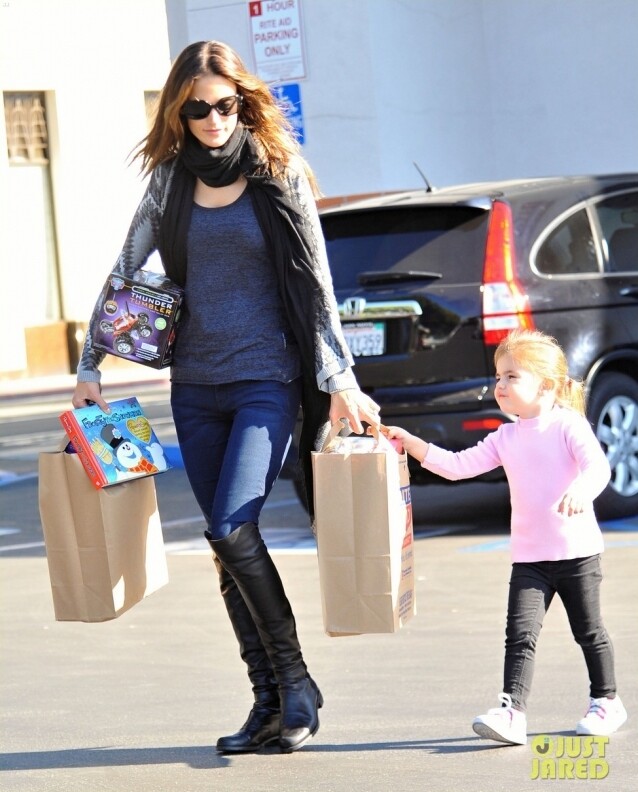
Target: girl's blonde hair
column 542, row 355
column 260, row 113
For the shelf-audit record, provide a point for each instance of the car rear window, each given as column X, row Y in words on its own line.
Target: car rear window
column 446, row 240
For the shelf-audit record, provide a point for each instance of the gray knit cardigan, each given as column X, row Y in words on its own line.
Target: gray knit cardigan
column 333, row 360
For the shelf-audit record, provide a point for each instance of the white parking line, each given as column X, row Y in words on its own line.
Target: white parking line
column 6, row 477
column 298, row 540
column 25, row 546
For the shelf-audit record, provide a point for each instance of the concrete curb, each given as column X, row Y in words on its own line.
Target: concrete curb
column 65, row 383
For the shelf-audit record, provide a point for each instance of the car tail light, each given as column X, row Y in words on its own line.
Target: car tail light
column 505, row 304
column 482, row 425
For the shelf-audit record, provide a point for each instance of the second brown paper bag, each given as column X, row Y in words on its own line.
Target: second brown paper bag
column 365, row 541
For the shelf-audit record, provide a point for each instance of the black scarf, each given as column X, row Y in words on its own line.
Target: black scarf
column 290, row 244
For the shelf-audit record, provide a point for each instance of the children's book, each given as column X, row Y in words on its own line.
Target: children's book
column 116, row 446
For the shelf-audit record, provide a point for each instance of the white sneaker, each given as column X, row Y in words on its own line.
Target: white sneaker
column 503, row 723
column 604, row 717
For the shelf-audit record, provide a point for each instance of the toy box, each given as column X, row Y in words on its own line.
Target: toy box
column 138, row 318
column 116, row 446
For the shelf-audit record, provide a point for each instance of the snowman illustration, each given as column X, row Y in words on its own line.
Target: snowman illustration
column 128, row 457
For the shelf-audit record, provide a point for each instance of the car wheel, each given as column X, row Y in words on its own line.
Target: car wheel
column 613, row 411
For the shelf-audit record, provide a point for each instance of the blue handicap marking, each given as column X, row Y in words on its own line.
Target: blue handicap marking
column 487, row 547
column 620, row 526
column 173, row 455
column 289, row 98
column 625, row 524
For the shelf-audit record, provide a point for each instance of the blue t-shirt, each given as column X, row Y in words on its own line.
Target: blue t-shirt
column 233, row 325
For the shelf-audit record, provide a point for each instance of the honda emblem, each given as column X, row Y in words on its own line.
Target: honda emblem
column 354, row 306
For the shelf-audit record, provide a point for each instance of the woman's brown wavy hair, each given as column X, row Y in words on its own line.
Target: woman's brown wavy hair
column 260, row 112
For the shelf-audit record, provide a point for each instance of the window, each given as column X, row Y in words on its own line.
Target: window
column 569, row 249
column 445, row 240
column 31, row 229
column 618, row 218
column 27, row 138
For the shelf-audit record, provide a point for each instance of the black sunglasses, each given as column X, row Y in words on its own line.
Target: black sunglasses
column 198, row 109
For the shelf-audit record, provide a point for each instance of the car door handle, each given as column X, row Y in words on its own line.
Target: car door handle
column 629, row 291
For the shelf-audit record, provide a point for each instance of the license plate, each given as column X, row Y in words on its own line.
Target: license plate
column 365, row 338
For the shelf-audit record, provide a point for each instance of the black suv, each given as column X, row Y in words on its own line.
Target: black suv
column 428, row 282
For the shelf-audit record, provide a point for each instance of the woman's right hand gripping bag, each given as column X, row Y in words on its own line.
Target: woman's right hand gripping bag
column 365, row 540
column 105, row 549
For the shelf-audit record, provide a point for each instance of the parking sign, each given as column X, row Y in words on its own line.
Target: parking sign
column 289, row 97
column 276, row 39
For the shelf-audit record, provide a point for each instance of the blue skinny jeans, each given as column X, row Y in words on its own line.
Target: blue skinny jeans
column 532, row 589
column 234, row 439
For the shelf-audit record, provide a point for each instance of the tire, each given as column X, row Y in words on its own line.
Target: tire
column 613, row 412
column 124, row 345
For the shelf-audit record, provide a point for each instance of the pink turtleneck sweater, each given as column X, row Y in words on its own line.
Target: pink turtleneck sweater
column 542, row 457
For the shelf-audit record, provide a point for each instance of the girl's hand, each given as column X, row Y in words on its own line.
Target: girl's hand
column 573, row 502
column 354, row 405
column 86, row 392
column 414, row 446
column 394, row 433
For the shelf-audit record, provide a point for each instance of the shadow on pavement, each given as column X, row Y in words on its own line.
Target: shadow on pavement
column 204, row 757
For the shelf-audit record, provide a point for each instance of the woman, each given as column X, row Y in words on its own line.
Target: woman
column 230, row 207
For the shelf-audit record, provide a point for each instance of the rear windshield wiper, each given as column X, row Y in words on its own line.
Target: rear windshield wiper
column 395, row 276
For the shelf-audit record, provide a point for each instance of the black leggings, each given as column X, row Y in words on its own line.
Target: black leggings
column 532, row 588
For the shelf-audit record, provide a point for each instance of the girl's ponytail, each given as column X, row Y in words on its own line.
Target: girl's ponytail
column 571, row 394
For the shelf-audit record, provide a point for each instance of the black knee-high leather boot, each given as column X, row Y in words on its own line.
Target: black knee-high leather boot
column 245, row 556
column 262, row 725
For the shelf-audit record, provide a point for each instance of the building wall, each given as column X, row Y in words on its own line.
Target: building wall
column 93, row 59
column 468, row 89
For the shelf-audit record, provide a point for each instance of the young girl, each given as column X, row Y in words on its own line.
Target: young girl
column 555, row 468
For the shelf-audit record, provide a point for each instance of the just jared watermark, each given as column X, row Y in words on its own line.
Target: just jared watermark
column 569, row 757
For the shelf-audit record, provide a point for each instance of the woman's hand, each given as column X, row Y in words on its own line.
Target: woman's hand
column 86, row 392
column 354, row 405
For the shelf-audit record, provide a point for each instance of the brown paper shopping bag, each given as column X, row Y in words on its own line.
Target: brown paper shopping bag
column 105, row 548
column 365, row 542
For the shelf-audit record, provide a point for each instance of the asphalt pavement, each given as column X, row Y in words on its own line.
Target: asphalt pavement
column 137, row 703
